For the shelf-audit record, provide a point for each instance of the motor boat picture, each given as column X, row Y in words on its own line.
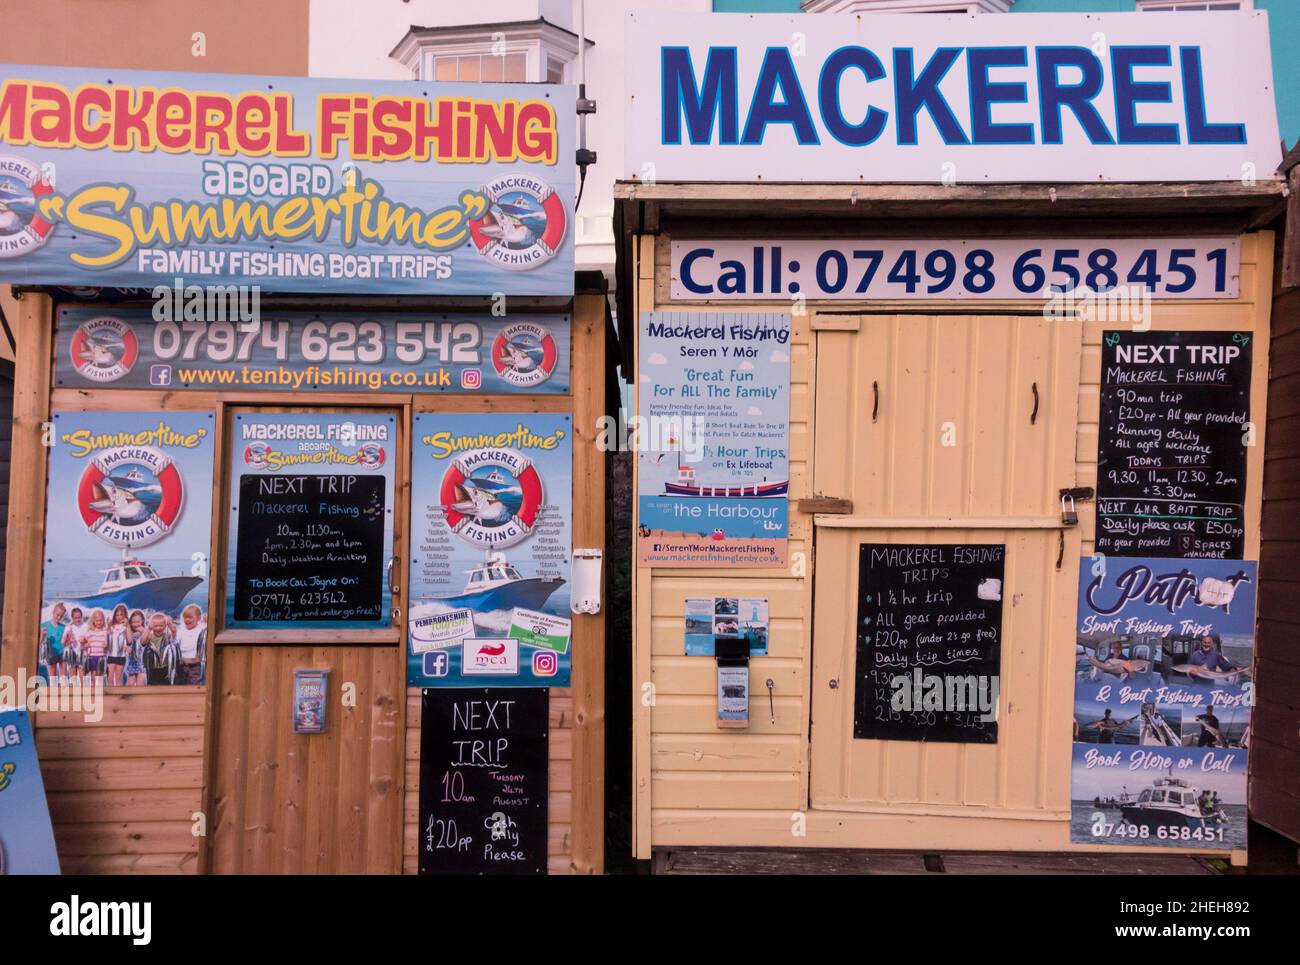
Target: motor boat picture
column 497, row 584
column 685, row 486
column 137, row 584
column 1171, row 802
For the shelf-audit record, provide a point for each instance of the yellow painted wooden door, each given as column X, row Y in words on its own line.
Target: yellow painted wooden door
column 949, row 429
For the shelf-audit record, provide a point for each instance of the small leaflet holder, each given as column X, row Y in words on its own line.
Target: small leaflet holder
column 732, row 655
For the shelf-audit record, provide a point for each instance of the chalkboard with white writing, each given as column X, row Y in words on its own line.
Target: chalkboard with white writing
column 483, row 780
column 929, row 640
column 310, row 549
column 1171, row 446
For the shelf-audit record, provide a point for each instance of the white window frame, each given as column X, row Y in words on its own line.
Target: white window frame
column 1189, row 6
column 538, row 41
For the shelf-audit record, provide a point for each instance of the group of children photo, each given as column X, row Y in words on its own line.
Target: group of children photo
column 125, row 648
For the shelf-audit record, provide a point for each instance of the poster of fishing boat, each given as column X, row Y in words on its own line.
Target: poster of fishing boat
column 1164, row 664
column 713, row 439
column 491, row 534
column 128, row 520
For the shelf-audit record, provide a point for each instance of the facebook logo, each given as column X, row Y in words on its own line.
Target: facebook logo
column 437, row 663
column 160, row 375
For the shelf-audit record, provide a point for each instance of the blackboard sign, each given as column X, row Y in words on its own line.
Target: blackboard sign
column 309, row 548
column 929, row 642
column 1171, row 449
column 483, row 780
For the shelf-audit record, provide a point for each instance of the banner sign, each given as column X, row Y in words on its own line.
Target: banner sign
column 491, row 534
column 311, row 520
column 1171, row 443
column 1163, row 693
column 126, row 348
column 950, row 99
column 133, row 178
column 26, row 836
column 713, row 433
column 1000, row 268
column 127, row 542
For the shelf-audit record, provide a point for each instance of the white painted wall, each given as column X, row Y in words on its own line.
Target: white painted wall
column 351, row 39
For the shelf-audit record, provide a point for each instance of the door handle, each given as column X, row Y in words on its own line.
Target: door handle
column 875, row 399
column 395, row 614
column 1033, row 416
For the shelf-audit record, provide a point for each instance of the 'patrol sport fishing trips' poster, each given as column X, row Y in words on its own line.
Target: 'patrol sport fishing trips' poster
column 1164, row 687
column 491, row 527
column 713, row 434
column 127, row 540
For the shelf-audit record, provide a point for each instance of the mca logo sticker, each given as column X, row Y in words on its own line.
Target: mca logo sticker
column 491, row 497
column 130, row 496
column 104, row 349
column 524, row 224
column 524, row 354
column 22, row 229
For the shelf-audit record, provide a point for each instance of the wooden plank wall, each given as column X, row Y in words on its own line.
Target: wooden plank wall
column 752, row 781
column 307, row 803
column 576, row 810
column 125, row 791
column 1275, row 736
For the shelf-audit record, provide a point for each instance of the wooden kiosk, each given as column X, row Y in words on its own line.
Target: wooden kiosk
column 916, row 417
column 287, row 738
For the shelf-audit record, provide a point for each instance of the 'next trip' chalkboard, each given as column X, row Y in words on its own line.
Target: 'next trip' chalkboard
column 309, row 548
column 1171, row 447
column 483, row 780
column 929, row 640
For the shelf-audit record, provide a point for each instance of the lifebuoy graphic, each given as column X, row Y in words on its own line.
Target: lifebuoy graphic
column 525, row 354
column 524, row 225
column 130, row 496
column 22, row 186
column 491, row 497
column 103, row 349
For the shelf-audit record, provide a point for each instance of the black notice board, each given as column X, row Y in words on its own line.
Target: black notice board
column 310, row 549
column 1171, row 452
column 484, row 779
column 929, row 641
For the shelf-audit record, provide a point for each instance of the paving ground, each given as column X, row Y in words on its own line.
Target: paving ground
column 722, row 861
column 1270, row 854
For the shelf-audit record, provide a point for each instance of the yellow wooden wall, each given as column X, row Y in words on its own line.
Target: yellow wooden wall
column 697, row 785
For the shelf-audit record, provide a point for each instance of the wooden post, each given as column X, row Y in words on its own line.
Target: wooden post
column 34, row 332
column 588, row 684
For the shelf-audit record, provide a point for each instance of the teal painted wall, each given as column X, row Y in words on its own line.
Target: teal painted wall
column 755, row 6
column 1283, row 28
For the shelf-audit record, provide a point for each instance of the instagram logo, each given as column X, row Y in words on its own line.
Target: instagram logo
column 471, row 379
column 545, row 663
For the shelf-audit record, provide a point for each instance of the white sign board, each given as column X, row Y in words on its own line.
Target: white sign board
column 950, row 99
column 1000, row 268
